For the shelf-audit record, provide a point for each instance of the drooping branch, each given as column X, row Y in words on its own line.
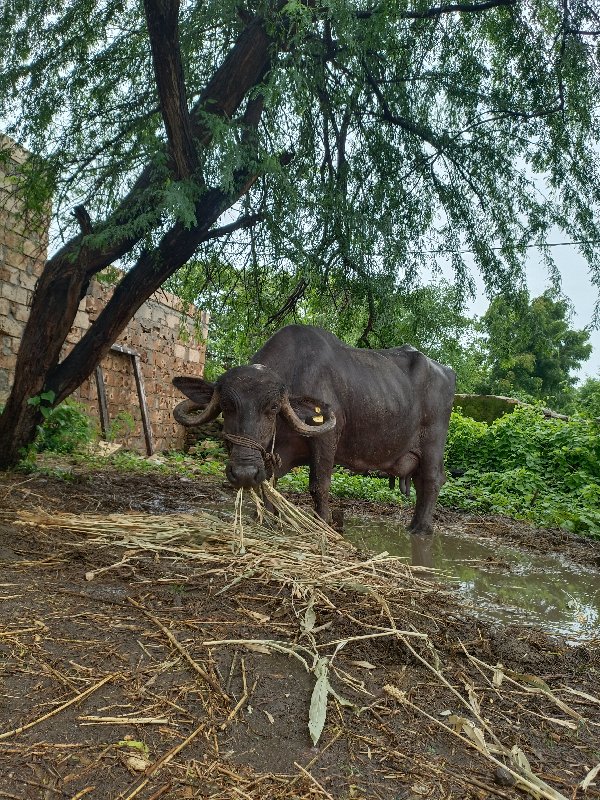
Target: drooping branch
column 363, row 339
column 438, row 11
column 290, row 304
column 163, row 30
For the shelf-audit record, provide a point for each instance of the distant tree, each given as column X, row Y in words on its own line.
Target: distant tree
column 531, row 349
column 587, row 398
column 341, row 141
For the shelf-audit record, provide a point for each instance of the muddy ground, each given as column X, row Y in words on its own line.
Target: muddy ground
column 108, row 690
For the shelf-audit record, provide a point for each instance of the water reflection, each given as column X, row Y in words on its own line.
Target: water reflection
column 421, row 550
column 498, row 580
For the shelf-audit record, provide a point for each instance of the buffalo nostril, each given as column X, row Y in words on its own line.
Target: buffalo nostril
column 245, row 476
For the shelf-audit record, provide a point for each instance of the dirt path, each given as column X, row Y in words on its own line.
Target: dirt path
column 124, row 699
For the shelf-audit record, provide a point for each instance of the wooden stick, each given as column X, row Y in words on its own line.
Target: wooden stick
column 60, row 708
column 83, row 792
column 314, row 780
column 37, row 629
column 202, row 672
column 91, row 720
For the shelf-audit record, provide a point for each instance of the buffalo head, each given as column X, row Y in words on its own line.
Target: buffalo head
column 252, row 399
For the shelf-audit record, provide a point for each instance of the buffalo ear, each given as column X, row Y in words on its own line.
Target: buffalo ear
column 197, row 389
column 310, row 410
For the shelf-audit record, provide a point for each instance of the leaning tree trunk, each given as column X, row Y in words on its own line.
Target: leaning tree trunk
column 66, row 275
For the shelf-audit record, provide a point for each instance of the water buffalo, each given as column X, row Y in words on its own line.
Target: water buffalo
column 308, row 398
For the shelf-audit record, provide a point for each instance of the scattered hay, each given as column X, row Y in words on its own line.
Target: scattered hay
column 319, row 569
column 294, row 548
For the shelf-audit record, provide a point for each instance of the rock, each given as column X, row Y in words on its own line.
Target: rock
column 503, row 777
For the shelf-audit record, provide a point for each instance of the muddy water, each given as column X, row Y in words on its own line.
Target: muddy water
column 499, row 581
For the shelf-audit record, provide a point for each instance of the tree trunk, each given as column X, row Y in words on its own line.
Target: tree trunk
column 67, row 274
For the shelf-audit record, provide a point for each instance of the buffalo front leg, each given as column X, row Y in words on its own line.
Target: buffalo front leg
column 319, row 481
column 428, row 482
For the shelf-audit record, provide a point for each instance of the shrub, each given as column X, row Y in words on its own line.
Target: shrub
column 66, row 429
column 523, row 465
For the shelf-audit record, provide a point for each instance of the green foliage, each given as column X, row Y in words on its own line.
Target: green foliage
column 66, row 428
column 526, row 466
column 344, row 484
column 587, row 399
column 531, row 349
column 209, row 450
column 44, row 402
column 121, row 426
column 417, row 134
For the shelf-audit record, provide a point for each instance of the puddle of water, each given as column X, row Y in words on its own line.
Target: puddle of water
column 497, row 580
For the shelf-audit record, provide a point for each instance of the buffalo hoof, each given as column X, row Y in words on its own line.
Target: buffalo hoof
column 420, row 529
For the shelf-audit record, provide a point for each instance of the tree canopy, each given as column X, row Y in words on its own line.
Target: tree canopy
column 342, row 143
column 430, row 317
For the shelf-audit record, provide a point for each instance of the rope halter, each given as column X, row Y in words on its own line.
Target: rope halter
column 271, row 460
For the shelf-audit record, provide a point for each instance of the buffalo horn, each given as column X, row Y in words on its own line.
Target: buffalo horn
column 301, row 427
column 184, row 412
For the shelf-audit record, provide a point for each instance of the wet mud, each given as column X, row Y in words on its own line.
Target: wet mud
column 97, row 701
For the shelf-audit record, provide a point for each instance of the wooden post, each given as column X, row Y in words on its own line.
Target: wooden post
column 139, row 382
column 141, row 393
column 102, row 404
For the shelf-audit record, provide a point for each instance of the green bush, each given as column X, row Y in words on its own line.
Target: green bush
column 66, row 429
column 344, row 484
column 526, row 466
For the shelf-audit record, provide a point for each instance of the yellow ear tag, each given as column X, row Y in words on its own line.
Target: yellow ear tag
column 318, row 419
column 317, row 409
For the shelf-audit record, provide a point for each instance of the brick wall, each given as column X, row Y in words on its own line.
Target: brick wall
column 168, row 341
column 23, row 245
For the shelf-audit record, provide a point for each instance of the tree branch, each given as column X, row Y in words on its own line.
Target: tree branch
column 246, row 221
column 291, row 302
column 437, row 11
column 163, row 31
column 402, row 122
column 83, row 218
column 451, row 8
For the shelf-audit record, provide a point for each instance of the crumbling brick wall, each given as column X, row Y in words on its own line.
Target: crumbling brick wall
column 168, row 341
column 23, row 245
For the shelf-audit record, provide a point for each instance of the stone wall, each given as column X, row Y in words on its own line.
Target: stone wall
column 167, row 341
